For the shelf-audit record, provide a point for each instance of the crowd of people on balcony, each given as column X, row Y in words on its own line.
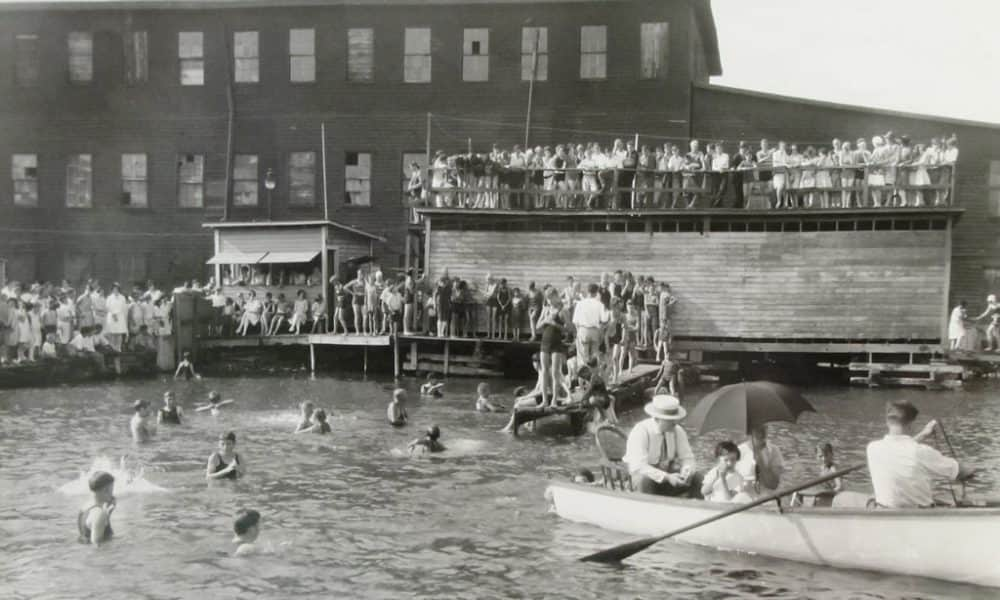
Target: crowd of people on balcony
column 44, row 321
column 887, row 170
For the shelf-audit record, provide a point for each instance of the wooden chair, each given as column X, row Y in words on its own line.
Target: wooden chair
column 611, row 443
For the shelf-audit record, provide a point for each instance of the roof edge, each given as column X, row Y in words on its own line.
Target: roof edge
column 275, row 224
column 842, row 106
column 709, row 35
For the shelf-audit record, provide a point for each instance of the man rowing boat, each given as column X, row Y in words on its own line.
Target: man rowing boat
column 902, row 468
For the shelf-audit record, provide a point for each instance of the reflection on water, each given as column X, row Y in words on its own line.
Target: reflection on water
column 351, row 515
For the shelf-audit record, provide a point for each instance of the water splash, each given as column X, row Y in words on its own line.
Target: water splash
column 129, row 479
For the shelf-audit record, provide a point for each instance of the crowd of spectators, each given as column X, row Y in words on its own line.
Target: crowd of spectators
column 888, row 170
column 44, row 321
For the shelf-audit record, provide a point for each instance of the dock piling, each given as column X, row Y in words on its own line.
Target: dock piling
column 312, row 357
column 366, row 361
column 446, row 357
column 395, row 356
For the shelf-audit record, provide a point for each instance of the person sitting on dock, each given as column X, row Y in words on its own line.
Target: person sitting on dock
column 247, row 528
column 658, row 454
column 185, row 368
column 761, row 464
column 142, row 429
column 483, row 403
column 723, row 483
column 251, row 315
column 432, row 387
column 396, row 411
column 429, row 443
column 170, row 413
column 902, row 468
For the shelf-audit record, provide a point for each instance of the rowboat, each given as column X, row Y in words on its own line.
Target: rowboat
column 623, row 395
column 952, row 544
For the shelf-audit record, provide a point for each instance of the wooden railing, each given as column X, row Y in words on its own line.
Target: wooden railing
column 756, row 188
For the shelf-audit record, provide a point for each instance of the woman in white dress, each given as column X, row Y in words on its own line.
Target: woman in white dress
column 116, row 323
column 956, row 326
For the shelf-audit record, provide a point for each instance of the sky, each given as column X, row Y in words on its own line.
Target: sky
column 932, row 57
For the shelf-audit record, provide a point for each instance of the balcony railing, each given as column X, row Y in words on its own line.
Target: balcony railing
column 758, row 188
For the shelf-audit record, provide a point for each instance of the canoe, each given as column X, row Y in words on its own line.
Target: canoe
column 952, row 544
column 623, row 394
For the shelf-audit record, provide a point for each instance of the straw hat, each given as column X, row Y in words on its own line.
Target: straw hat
column 665, row 406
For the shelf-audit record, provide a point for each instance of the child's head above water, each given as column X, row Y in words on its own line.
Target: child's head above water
column 247, row 525
column 483, row 389
column 168, row 398
column 399, row 395
column 433, row 432
column 214, row 397
column 139, row 406
column 307, row 407
column 319, row 415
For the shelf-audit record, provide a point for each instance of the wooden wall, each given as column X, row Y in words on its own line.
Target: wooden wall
column 753, row 285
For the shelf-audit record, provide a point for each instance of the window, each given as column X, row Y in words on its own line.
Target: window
column 417, row 55
column 358, row 179
column 360, row 54
column 245, row 180
column 246, row 57
column 27, row 60
column 655, row 50
column 476, row 55
column 134, row 181
column 24, row 172
column 191, row 180
column 79, row 182
column 81, row 56
column 593, row 52
column 302, row 55
column 993, row 184
column 530, row 36
column 302, row 179
column 136, row 57
column 191, row 53
column 77, row 267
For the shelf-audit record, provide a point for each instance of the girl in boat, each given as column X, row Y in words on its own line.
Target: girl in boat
column 824, row 454
column 722, row 483
column 396, row 411
column 225, row 463
column 170, row 413
column 93, row 522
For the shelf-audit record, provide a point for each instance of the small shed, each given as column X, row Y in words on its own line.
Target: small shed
column 283, row 257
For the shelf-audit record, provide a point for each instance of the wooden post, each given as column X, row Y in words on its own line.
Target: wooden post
column 428, row 167
column 312, row 357
column 447, row 345
column 531, row 87
column 218, row 268
column 324, row 262
column 414, row 363
column 366, row 359
column 427, row 246
column 326, row 205
column 395, row 355
column 945, row 296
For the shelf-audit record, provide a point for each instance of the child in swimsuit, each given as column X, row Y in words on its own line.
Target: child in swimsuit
column 186, row 368
column 432, row 387
column 396, row 412
column 225, row 463
column 305, row 416
column 170, row 413
column 215, row 402
column 428, row 443
column 247, row 528
column 141, row 428
column 317, row 424
column 94, row 520
column 483, row 403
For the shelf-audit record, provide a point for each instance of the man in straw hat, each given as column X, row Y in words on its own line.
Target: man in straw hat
column 658, row 454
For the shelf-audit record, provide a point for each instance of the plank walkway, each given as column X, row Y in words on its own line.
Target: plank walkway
column 320, row 339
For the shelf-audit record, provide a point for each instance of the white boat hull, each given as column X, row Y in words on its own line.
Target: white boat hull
column 961, row 545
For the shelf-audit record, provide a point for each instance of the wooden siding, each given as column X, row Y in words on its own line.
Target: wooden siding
column 286, row 239
column 811, row 285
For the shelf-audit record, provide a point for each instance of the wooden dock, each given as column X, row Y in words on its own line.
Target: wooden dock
column 310, row 340
column 625, row 393
column 932, row 376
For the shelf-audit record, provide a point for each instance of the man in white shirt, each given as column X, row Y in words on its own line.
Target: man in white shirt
column 658, row 454
column 760, row 464
column 589, row 318
column 719, row 165
column 902, row 468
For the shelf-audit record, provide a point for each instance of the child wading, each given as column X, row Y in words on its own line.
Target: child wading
column 247, row 528
column 93, row 522
column 396, row 411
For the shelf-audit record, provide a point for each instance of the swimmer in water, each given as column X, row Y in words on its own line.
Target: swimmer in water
column 483, row 403
column 305, row 416
column 142, row 428
column 396, row 411
column 432, row 387
column 215, row 402
column 94, row 519
column 225, row 463
column 429, row 442
column 170, row 413
column 247, row 528
column 318, row 423
column 186, row 368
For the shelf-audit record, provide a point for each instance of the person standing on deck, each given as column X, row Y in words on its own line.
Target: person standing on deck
column 902, row 468
column 658, row 454
column 116, row 325
column 760, row 464
column 957, row 326
column 589, row 318
column 992, row 313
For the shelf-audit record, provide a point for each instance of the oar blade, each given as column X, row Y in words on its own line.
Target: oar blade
column 621, row 552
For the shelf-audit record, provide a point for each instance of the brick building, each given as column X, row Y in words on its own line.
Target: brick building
column 116, row 116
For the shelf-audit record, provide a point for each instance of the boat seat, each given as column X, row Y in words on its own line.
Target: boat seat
column 611, row 443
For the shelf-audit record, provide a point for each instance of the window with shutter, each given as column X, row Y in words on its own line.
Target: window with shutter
column 246, row 57
column 81, row 56
column 191, row 180
column 191, row 54
column 24, row 173
column 357, row 178
column 417, row 55
column 302, row 179
column 136, row 57
column 302, row 55
column 27, row 60
column 245, row 176
column 134, row 190
column 476, row 55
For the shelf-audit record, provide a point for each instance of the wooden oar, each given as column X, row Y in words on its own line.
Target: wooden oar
column 623, row 551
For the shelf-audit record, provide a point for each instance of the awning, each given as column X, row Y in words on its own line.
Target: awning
column 236, row 258
column 289, row 257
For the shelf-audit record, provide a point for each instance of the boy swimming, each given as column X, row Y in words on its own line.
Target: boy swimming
column 94, row 520
column 247, row 528
column 140, row 425
column 305, row 416
column 317, row 424
column 483, row 403
column 170, row 413
column 432, row 387
column 428, row 443
column 186, row 368
column 396, row 411
column 215, row 402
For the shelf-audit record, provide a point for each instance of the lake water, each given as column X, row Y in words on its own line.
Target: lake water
column 350, row 515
